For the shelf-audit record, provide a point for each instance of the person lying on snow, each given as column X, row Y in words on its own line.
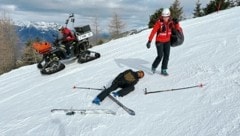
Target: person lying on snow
column 125, row 80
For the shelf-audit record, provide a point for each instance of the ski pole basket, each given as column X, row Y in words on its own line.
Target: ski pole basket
column 42, row 47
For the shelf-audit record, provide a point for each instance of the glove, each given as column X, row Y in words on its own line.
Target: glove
column 148, row 44
column 175, row 20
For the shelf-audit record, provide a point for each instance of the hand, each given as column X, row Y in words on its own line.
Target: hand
column 175, row 20
column 148, row 44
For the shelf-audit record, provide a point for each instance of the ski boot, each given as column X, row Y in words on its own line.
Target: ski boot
column 164, row 72
column 96, row 101
column 153, row 70
column 115, row 94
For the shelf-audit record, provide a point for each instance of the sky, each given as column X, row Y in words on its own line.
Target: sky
column 133, row 13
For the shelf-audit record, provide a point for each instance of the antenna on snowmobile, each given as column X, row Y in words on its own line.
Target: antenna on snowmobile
column 67, row 22
column 71, row 16
column 72, row 20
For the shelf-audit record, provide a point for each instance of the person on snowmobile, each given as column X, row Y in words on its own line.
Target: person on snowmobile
column 67, row 39
column 125, row 80
column 163, row 28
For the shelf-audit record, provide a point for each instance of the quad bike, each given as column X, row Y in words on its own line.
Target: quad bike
column 54, row 53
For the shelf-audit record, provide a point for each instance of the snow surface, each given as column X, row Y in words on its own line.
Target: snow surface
column 210, row 55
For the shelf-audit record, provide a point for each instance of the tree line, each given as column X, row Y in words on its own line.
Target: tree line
column 9, row 49
column 115, row 27
column 214, row 6
column 8, row 44
column 199, row 11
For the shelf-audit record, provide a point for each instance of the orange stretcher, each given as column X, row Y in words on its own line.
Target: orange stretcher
column 42, row 47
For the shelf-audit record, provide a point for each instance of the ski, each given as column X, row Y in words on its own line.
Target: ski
column 84, row 111
column 128, row 110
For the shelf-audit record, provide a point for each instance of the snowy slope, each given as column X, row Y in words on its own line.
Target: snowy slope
column 210, row 55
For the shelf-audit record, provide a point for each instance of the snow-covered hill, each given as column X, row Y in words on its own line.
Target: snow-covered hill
column 210, row 55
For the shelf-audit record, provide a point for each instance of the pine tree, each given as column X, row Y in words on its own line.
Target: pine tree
column 198, row 11
column 100, row 41
column 216, row 5
column 30, row 56
column 232, row 3
column 177, row 10
column 238, row 2
column 8, row 44
column 154, row 17
column 96, row 29
column 116, row 26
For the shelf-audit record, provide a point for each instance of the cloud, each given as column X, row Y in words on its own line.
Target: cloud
column 134, row 13
column 8, row 8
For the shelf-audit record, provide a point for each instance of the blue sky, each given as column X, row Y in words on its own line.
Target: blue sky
column 132, row 12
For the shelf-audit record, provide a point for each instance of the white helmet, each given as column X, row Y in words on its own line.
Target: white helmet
column 166, row 12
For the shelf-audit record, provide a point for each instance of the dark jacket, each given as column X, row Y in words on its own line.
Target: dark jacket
column 126, row 78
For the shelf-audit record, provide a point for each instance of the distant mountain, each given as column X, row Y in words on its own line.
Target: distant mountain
column 32, row 30
column 46, row 31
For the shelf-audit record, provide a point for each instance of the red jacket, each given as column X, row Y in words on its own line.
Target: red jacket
column 163, row 30
column 67, row 35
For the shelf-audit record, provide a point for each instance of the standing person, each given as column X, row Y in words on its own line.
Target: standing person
column 163, row 28
column 67, row 39
column 125, row 80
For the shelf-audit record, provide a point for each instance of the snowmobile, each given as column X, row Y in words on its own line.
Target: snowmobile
column 54, row 53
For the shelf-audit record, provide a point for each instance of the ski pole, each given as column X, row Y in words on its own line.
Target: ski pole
column 89, row 88
column 175, row 89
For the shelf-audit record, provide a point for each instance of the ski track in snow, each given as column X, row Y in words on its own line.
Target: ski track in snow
column 209, row 55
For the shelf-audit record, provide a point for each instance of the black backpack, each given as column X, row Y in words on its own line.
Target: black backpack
column 177, row 37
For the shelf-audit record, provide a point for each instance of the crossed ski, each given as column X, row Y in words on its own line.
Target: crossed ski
column 128, row 110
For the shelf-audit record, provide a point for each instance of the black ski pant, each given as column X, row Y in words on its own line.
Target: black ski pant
column 124, row 91
column 68, row 47
column 163, row 50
